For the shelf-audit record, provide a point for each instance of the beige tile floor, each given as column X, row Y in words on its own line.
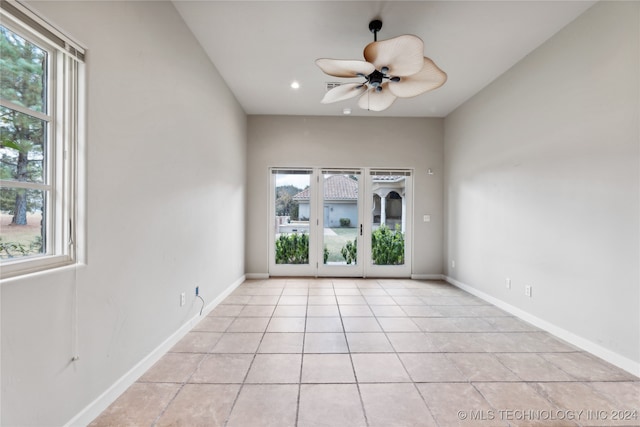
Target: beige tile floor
column 356, row 352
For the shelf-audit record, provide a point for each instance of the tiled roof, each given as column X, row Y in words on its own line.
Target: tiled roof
column 389, row 178
column 336, row 187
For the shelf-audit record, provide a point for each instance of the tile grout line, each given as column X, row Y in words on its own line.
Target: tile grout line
column 186, row 381
column 304, row 334
column 353, row 366
column 235, row 400
column 413, row 382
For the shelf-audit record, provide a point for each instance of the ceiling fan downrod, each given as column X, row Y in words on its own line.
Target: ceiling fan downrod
column 374, row 27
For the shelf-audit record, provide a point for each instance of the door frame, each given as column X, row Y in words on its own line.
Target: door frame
column 364, row 267
column 399, row 271
column 343, row 270
column 309, row 269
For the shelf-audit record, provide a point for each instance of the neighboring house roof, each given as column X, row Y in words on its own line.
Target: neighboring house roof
column 388, row 178
column 336, row 187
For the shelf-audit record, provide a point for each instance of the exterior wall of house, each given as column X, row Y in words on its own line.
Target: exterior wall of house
column 335, row 211
column 339, row 210
column 304, row 211
column 347, row 142
column 164, row 212
column 542, row 184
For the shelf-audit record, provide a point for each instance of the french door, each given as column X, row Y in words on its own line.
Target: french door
column 340, row 222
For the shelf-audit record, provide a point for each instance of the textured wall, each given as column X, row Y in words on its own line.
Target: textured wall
column 542, row 183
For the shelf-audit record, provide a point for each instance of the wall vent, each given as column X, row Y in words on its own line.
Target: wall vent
column 331, row 85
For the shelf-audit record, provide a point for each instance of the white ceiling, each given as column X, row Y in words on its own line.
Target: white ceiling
column 260, row 47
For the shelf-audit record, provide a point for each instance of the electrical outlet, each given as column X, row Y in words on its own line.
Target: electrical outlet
column 197, row 290
column 508, row 283
column 183, row 299
column 527, row 291
column 453, row 264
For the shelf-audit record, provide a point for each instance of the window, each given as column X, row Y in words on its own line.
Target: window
column 40, row 75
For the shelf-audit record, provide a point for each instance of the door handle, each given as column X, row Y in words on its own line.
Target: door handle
column 361, row 229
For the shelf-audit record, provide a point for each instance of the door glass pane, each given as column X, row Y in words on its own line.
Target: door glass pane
column 388, row 218
column 292, row 213
column 340, row 217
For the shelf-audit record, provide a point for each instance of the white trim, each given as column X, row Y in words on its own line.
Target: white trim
column 44, row 28
column 356, row 269
column 26, row 184
column 316, row 218
column 64, row 99
column 612, row 357
column 389, row 271
column 292, row 270
column 427, row 277
column 26, row 111
column 102, row 402
column 69, row 266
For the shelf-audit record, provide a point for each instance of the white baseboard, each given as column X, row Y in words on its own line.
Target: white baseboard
column 102, row 402
column 616, row 359
column 257, row 276
column 427, row 277
column 264, row 276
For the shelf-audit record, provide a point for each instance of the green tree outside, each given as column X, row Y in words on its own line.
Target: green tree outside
column 22, row 136
column 285, row 205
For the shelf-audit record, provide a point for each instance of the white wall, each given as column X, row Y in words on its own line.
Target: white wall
column 166, row 152
column 542, row 184
column 338, row 211
column 347, row 142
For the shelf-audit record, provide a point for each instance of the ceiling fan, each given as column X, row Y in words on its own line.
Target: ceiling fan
column 393, row 68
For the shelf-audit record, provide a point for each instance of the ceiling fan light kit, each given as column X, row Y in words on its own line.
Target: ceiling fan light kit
column 393, row 68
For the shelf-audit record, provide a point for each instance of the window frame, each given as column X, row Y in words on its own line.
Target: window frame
column 64, row 118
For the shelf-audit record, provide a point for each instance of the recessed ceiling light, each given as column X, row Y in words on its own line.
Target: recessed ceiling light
column 295, row 84
column 346, row 111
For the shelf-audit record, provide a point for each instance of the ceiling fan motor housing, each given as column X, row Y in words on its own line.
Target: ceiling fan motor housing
column 375, row 78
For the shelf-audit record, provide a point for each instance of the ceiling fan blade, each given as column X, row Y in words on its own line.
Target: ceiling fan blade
column 429, row 78
column 344, row 67
column 342, row 92
column 402, row 55
column 377, row 101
